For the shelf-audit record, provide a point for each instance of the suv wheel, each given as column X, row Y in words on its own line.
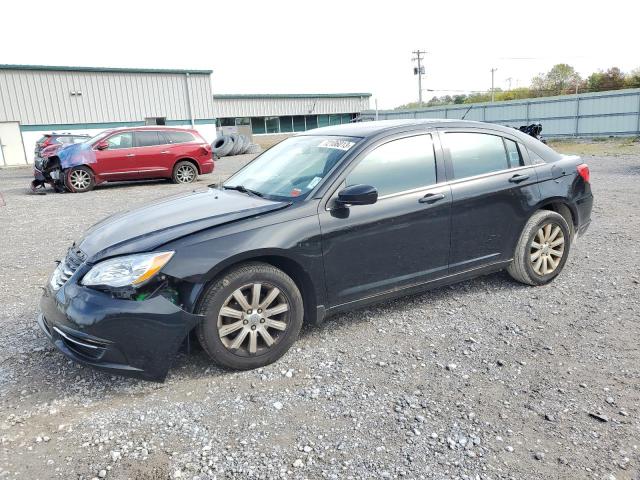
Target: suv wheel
column 79, row 179
column 184, row 172
column 253, row 316
column 542, row 250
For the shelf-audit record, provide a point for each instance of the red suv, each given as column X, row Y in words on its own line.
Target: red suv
column 127, row 154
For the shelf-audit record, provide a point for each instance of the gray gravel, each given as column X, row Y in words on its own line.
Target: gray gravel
column 487, row 379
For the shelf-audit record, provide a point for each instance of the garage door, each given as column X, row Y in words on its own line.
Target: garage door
column 11, row 146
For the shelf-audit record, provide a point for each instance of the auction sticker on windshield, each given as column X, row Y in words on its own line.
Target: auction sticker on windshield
column 337, row 144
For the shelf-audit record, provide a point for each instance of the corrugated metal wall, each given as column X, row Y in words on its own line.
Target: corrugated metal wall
column 44, row 97
column 587, row 114
column 277, row 106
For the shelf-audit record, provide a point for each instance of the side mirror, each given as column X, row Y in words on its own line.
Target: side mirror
column 357, row 195
column 103, row 145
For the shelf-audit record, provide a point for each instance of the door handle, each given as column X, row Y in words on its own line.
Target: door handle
column 131, row 155
column 518, row 178
column 165, row 151
column 431, row 197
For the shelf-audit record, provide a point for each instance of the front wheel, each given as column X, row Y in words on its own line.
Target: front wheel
column 184, row 172
column 253, row 314
column 542, row 249
column 79, row 179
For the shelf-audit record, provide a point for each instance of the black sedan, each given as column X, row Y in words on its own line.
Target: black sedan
column 326, row 221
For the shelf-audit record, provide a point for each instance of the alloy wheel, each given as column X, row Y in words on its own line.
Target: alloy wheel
column 547, row 249
column 185, row 174
column 80, row 179
column 253, row 318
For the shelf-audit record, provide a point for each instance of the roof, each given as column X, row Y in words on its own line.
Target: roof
column 367, row 129
column 150, row 127
column 233, row 96
column 371, row 129
column 102, row 69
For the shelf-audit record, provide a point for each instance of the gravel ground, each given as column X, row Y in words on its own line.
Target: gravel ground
column 486, row 379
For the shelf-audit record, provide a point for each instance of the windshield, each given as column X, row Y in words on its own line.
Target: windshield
column 98, row 137
column 292, row 168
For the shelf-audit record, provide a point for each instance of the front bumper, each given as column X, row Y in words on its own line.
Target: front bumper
column 133, row 338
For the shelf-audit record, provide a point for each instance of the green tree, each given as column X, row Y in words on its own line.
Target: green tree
column 632, row 79
column 612, row 79
column 514, row 94
column 561, row 79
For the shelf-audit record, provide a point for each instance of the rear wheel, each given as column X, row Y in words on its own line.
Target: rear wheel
column 184, row 172
column 542, row 249
column 79, row 179
column 253, row 314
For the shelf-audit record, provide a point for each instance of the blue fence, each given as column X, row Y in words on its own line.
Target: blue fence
column 582, row 115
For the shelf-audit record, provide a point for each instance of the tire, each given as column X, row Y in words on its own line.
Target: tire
column 184, row 172
column 542, row 250
column 246, row 144
column 237, row 145
column 253, row 148
column 223, row 293
column 222, row 146
column 79, row 179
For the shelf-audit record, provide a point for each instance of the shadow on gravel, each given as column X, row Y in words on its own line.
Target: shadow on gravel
column 47, row 373
column 500, row 280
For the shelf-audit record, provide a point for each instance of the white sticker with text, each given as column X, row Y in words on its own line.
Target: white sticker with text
column 337, row 144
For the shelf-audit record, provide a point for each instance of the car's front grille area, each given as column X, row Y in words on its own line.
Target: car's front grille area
column 67, row 268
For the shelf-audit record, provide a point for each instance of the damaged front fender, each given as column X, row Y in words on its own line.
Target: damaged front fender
column 77, row 154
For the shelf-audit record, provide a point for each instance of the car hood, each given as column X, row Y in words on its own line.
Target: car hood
column 76, row 154
column 154, row 224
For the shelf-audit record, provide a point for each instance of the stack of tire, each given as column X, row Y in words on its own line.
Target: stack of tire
column 230, row 145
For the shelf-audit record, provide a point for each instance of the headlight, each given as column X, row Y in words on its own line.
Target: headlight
column 132, row 270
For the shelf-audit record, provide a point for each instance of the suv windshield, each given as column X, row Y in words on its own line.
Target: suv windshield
column 292, row 168
column 98, row 137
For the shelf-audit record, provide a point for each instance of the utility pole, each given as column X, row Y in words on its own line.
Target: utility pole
column 509, row 81
column 493, row 92
column 419, row 56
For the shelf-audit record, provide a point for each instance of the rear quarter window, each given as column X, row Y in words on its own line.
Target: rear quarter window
column 179, row 137
column 513, row 152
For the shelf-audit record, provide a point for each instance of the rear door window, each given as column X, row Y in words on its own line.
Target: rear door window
column 475, row 153
column 397, row 166
column 147, row 138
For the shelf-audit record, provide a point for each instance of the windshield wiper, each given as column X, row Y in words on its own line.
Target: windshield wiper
column 243, row 189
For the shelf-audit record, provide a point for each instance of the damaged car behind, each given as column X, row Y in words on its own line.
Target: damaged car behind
column 326, row 221
column 136, row 153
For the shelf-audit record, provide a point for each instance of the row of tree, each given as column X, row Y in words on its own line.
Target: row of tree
column 562, row 79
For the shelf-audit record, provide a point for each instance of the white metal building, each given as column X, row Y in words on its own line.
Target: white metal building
column 285, row 113
column 43, row 99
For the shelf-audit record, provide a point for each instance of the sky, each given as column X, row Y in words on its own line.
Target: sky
column 329, row 46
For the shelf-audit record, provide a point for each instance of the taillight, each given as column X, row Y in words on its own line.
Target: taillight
column 583, row 171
